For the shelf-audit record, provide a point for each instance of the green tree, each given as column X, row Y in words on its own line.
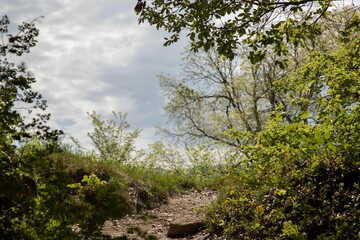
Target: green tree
column 18, row 100
column 219, row 99
column 303, row 180
column 224, row 25
column 113, row 138
column 212, row 96
column 21, row 117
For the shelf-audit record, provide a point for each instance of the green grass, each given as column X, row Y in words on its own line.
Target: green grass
column 78, row 188
column 151, row 183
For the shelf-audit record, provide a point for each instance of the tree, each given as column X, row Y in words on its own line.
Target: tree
column 219, row 99
column 17, row 103
column 18, row 100
column 303, row 180
column 212, row 96
column 224, row 25
column 22, row 118
column 113, row 138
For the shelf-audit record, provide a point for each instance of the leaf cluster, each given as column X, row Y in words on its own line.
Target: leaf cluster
column 224, row 25
column 300, row 179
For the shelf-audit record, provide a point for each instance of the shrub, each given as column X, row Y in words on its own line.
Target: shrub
column 301, row 179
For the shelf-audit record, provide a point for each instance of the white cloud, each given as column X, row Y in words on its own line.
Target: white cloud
column 93, row 56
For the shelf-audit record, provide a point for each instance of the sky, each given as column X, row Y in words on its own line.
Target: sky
column 93, row 56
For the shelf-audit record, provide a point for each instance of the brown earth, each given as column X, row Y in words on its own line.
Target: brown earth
column 186, row 208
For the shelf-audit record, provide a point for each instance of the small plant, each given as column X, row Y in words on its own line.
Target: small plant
column 113, row 138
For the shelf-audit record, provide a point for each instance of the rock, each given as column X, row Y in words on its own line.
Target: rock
column 177, row 230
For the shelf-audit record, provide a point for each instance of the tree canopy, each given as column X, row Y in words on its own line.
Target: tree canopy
column 19, row 102
column 214, row 95
column 226, row 24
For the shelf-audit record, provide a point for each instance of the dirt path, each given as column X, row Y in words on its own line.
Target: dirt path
column 154, row 224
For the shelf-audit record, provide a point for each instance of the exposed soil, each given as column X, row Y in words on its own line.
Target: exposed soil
column 154, row 224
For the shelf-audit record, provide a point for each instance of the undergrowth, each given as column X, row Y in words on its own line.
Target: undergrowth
column 79, row 189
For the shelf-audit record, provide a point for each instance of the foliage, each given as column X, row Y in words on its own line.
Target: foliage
column 189, row 166
column 167, row 156
column 65, row 191
column 16, row 92
column 216, row 99
column 224, row 25
column 23, row 196
column 301, row 179
column 112, row 138
column 209, row 98
column 206, row 168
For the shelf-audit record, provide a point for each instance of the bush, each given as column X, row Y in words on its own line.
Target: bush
column 291, row 192
column 62, row 195
column 301, row 179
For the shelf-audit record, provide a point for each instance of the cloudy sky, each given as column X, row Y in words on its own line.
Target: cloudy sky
column 93, row 56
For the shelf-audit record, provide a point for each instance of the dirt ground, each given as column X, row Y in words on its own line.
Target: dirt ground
column 154, row 224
